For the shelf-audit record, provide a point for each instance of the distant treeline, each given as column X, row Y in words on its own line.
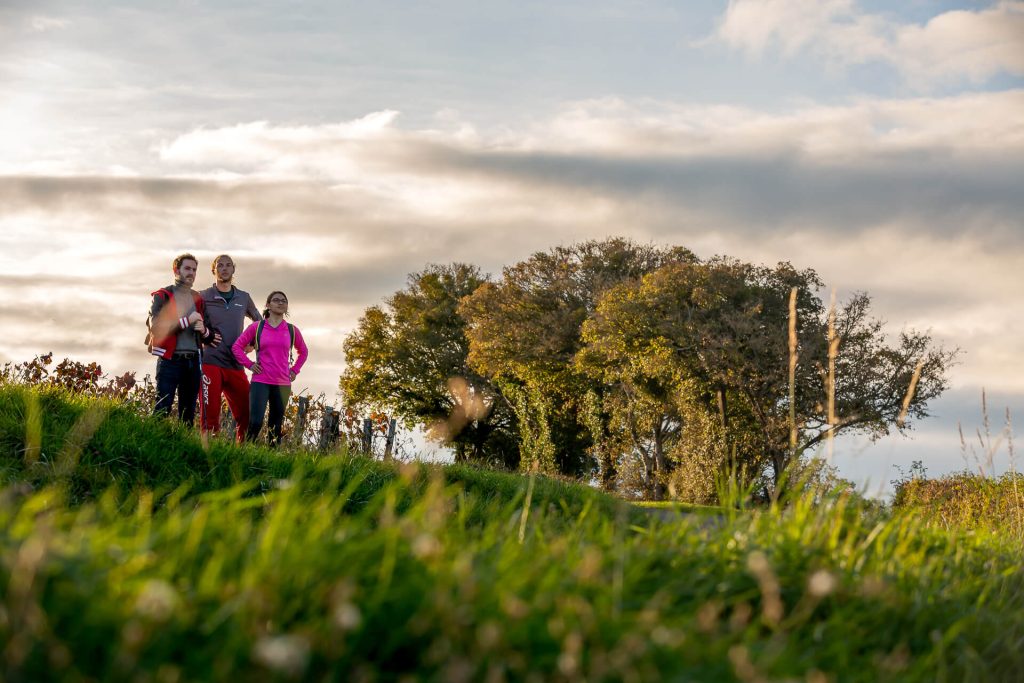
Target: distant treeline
column 642, row 366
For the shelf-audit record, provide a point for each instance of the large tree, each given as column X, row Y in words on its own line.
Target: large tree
column 715, row 336
column 410, row 357
column 525, row 331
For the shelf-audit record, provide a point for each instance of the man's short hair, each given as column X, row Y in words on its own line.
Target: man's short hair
column 176, row 264
column 218, row 257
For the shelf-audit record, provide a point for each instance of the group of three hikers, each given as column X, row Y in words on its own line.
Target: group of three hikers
column 200, row 344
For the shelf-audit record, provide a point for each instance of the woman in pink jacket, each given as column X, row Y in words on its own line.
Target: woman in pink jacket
column 273, row 370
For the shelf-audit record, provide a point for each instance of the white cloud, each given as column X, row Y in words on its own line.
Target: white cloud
column 954, row 46
column 941, row 165
column 976, row 124
column 971, row 123
column 41, row 24
column 961, row 44
column 280, row 150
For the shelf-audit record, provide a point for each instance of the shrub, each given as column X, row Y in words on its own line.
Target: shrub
column 966, row 499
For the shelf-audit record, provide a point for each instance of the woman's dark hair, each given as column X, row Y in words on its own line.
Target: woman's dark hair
column 266, row 311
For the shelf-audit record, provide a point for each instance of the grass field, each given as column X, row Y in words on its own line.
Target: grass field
column 128, row 552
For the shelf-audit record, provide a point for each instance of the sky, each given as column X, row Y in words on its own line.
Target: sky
column 332, row 148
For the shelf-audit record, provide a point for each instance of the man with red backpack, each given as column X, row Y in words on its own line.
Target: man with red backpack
column 178, row 326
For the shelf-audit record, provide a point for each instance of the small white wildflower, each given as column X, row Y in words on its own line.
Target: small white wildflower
column 821, row 583
column 757, row 563
column 488, row 635
column 288, row 654
column 425, row 546
column 157, row 600
column 567, row 663
column 347, row 616
column 666, row 637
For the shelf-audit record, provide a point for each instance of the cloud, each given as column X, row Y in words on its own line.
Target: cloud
column 953, row 46
column 365, row 188
column 254, row 146
column 915, row 200
column 941, row 164
column 41, row 24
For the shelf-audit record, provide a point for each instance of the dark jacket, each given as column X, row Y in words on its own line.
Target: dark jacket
column 229, row 320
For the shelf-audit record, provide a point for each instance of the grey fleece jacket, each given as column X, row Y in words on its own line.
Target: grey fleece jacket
column 229, row 320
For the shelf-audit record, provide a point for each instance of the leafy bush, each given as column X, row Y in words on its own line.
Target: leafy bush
column 966, row 499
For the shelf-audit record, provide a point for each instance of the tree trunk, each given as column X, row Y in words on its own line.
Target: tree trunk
column 609, row 471
column 779, row 460
column 650, row 477
column 723, row 413
column 660, row 466
column 478, row 435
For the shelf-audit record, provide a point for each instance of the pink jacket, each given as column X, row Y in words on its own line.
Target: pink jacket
column 273, row 353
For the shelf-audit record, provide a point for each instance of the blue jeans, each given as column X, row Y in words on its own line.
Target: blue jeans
column 177, row 375
column 259, row 396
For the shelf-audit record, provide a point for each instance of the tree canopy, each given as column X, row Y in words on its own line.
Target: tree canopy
column 607, row 356
column 714, row 338
column 526, row 329
column 409, row 357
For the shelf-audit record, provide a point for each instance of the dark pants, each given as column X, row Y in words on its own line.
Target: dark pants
column 260, row 395
column 178, row 375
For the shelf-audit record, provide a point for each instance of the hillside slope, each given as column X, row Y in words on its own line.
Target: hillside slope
column 242, row 564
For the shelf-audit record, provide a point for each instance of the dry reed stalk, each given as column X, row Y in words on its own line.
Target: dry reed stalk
column 526, row 505
column 81, row 432
column 792, row 370
column 909, row 396
column 1013, row 469
column 989, row 449
column 963, row 446
column 33, row 428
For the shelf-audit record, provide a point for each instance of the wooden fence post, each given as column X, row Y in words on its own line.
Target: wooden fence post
column 367, row 435
column 329, row 429
column 300, row 419
column 227, row 419
column 390, row 443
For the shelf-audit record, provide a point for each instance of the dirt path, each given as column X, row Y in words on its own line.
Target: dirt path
column 700, row 520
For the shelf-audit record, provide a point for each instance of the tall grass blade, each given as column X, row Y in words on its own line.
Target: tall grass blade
column 33, row 428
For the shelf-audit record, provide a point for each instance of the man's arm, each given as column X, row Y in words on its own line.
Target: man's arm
column 210, row 335
column 252, row 312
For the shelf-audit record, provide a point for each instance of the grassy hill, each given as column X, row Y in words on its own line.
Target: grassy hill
column 129, row 552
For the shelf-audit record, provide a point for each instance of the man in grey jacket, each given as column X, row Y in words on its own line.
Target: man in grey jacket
column 227, row 307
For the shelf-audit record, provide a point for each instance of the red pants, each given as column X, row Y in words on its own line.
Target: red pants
column 235, row 386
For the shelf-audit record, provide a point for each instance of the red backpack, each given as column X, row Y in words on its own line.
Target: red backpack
column 166, row 292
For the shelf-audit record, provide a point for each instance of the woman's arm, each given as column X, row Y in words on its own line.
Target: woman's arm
column 238, row 348
column 300, row 346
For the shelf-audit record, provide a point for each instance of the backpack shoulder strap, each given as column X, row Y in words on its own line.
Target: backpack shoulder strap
column 291, row 342
column 259, row 334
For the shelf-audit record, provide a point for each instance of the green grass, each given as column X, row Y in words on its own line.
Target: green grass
column 159, row 455
column 241, row 564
